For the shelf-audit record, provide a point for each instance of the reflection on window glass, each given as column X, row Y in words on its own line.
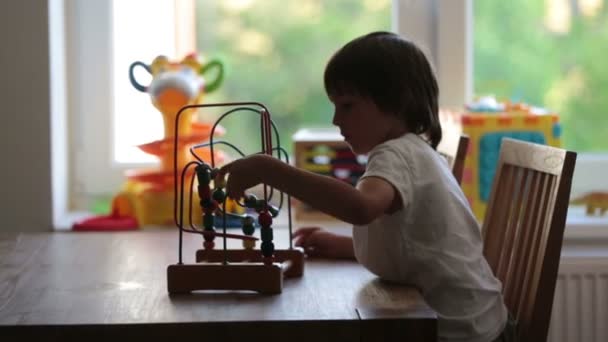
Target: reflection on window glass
column 275, row 51
column 550, row 54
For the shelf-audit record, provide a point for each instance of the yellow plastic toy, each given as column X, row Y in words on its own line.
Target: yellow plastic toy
column 147, row 196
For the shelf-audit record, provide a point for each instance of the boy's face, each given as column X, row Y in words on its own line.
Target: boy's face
column 362, row 124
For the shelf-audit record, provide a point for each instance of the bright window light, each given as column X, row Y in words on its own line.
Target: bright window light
column 142, row 30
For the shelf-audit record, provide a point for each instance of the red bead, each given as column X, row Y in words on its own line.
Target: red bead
column 208, row 244
column 209, row 205
column 268, row 260
column 265, row 219
column 204, row 191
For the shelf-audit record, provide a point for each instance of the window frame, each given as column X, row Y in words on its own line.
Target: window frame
column 443, row 28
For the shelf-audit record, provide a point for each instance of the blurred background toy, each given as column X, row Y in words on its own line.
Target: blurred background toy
column 486, row 122
column 595, row 202
column 146, row 197
column 324, row 151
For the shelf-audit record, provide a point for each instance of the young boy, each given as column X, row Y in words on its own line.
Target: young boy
column 412, row 223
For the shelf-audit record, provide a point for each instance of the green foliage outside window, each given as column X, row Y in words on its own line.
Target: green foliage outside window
column 275, row 52
column 518, row 57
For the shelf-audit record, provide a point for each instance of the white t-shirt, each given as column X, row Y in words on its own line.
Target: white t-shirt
column 433, row 242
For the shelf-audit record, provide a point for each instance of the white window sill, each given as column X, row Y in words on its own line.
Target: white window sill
column 580, row 226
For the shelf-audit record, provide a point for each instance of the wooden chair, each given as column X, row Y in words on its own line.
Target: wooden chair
column 455, row 151
column 524, row 227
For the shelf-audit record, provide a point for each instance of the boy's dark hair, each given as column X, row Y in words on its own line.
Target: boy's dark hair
column 392, row 72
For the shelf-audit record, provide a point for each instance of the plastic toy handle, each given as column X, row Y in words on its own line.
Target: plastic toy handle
column 134, row 82
column 211, row 86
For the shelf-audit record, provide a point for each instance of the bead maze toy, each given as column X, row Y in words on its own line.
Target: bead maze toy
column 229, row 269
column 486, row 126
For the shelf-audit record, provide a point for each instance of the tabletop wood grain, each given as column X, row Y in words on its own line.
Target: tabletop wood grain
column 85, row 284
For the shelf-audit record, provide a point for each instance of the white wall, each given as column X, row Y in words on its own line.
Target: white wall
column 25, row 119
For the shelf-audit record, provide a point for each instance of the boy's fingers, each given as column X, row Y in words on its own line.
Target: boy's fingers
column 302, row 236
column 308, row 241
column 311, row 252
column 223, row 171
column 299, row 239
column 232, row 193
column 305, row 231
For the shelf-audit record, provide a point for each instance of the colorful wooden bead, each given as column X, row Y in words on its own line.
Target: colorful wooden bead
column 248, row 220
column 274, row 211
column 267, row 260
column 202, row 174
column 251, row 201
column 264, row 219
column 249, row 244
column 203, row 191
column 267, row 248
column 208, row 221
column 209, row 203
column 248, row 229
column 219, row 195
column 260, row 205
column 266, row 234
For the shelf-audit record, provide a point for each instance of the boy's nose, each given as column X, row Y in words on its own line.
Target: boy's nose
column 335, row 121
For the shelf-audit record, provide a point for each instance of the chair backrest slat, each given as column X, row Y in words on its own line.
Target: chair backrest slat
column 523, row 229
column 522, row 266
column 454, row 149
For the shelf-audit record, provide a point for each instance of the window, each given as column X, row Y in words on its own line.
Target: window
column 138, row 38
column 545, row 53
column 275, row 52
column 254, row 40
column 245, row 35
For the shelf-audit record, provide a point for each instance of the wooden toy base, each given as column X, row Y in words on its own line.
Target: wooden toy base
column 292, row 259
column 258, row 277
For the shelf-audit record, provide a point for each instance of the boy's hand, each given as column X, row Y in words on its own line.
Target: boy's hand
column 244, row 174
column 317, row 242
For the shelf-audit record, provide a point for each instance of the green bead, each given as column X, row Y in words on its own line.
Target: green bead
column 207, row 203
column 260, row 205
column 266, row 234
column 219, row 195
column 251, row 201
column 248, row 229
column 208, row 221
column 274, row 211
column 267, row 248
column 248, row 220
column 203, row 175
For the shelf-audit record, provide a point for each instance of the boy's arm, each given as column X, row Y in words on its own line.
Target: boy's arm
column 371, row 198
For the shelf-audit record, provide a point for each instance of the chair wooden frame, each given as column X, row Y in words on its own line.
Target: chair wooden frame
column 524, row 227
column 455, row 155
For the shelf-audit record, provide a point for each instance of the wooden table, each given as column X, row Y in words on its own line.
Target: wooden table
column 76, row 286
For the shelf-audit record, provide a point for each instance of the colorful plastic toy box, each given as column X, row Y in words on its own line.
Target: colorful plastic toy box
column 486, row 127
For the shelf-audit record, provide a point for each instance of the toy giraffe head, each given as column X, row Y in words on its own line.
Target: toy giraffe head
column 177, row 84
